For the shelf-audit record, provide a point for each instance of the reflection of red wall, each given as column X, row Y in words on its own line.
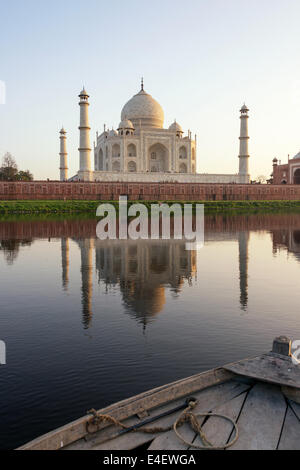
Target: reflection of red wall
column 147, row 191
column 28, row 230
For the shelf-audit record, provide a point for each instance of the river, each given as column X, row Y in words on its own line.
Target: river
column 89, row 322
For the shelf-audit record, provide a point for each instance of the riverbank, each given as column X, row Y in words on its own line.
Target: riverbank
column 90, row 207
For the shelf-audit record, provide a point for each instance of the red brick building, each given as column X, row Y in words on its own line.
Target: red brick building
column 289, row 173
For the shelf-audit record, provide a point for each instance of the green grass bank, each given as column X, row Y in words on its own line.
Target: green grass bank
column 90, row 207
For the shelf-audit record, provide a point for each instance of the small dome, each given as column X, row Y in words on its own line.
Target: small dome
column 126, row 124
column 298, row 155
column 143, row 110
column 275, row 160
column 244, row 109
column 112, row 133
column 62, row 131
column 176, row 127
column 84, row 93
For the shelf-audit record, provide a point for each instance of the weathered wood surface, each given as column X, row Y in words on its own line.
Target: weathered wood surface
column 295, row 407
column 290, row 437
column 218, row 430
column 262, row 418
column 271, row 368
column 76, row 430
column 291, row 393
column 207, row 401
column 107, row 440
column 133, row 440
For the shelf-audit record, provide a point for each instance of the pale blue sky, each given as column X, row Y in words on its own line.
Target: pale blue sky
column 201, row 59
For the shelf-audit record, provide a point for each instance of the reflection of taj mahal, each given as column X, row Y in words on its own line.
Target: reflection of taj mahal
column 143, row 271
column 142, row 150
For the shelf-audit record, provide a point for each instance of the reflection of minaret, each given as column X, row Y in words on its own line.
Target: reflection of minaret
column 65, row 261
column 86, row 248
column 244, row 258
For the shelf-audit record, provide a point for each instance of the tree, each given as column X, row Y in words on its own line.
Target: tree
column 9, row 169
column 261, row 179
column 24, row 176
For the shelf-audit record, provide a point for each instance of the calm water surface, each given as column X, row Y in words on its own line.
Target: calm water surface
column 87, row 323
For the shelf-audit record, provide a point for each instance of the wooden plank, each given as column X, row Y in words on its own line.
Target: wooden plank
column 208, row 400
column 133, row 440
column 261, row 420
column 149, row 400
column 218, row 430
column 290, row 438
column 108, row 439
column 130, row 441
column 271, row 368
column 295, row 407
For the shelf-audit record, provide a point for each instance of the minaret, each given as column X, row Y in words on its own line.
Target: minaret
column 244, row 152
column 84, row 142
column 63, row 156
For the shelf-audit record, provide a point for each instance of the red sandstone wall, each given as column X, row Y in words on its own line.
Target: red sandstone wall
column 280, row 173
column 42, row 190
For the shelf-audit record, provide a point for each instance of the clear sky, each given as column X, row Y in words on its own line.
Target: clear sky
column 201, row 59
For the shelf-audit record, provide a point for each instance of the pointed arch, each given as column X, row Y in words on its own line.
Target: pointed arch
column 100, row 160
column 116, row 151
column 116, row 166
column 158, row 158
column 132, row 167
column 131, row 150
column 183, row 168
column 297, row 176
column 182, row 153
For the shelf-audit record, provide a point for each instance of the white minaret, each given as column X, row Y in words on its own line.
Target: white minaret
column 244, row 141
column 63, row 156
column 84, row 141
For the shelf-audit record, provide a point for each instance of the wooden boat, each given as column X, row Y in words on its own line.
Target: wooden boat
column 257, row 402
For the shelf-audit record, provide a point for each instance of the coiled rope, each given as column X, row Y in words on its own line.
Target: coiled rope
column 187, row 416
column 191, row 418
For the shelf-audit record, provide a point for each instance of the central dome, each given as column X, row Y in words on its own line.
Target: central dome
column 143, row 110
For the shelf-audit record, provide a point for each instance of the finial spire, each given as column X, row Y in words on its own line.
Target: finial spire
column 142, row 84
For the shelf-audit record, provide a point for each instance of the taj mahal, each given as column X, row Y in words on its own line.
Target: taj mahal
column 141, row 149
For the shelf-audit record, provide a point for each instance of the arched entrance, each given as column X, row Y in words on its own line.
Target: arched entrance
column 297, row 176
column 183, row 168
column 132, row 167
column 116, row 166
column 116, row 151
column 183, row 153
column 131, row 150
column 158, row 160
column 100, row 160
